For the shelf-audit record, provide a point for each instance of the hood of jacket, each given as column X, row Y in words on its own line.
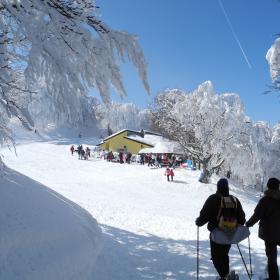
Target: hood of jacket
column 275, row 194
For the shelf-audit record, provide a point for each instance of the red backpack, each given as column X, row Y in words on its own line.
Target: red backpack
column 227, row 215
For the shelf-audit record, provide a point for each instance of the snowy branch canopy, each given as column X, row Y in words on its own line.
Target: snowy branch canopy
column 273, row 59
column 120, row 116
column 214, row 130
column 54, row 51
column 201, row 121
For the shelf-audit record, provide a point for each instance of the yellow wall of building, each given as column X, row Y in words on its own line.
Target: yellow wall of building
column 118, row 142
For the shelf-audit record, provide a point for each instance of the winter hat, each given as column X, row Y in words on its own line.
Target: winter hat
column 222, row 187
column 273, row 184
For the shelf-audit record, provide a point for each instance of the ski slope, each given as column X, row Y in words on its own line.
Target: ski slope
column 147, row 223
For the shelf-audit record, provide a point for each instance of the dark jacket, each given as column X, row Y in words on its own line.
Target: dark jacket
column 210, row 210
column 267, row 212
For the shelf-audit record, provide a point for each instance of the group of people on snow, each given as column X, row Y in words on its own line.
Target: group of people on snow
column 223, row 213
column 121, row 157
column 152, row 160
column 82, row 153
column 159, row 160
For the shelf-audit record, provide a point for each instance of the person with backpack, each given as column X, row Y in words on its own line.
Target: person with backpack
column 267, row 212
column 225, row 212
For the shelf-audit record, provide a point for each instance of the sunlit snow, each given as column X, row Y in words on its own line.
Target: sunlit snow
column 147, row 223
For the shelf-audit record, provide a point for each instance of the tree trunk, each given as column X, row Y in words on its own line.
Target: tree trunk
column 205, row 174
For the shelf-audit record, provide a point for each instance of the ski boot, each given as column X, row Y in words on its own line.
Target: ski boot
column 232, row 276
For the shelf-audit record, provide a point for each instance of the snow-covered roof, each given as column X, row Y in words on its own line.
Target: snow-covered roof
column 119, row 132
column 134, row 133
column 147, row 139
column 138, row 141
column 165, row 147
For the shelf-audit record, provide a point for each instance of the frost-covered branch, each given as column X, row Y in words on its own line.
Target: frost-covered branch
column 211, row 128
column 273, row 59
column 64, row 49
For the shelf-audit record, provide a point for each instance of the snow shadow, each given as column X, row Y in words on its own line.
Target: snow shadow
column 127, row 255
column 19, row 184
column 43, row 234
column 179, row 182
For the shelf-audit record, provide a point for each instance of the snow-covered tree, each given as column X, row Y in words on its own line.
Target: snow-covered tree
column 202, row 122
column 273, row 59
column 214, row 130
column 253, row 165
column 62, row 49
column 14, row 93
column 276, row 134
column 205, row 124
column 122, row 116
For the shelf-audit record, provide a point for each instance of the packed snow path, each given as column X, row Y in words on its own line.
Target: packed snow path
column 148, row 223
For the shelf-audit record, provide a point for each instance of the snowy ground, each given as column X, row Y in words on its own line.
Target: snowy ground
column 148, row 223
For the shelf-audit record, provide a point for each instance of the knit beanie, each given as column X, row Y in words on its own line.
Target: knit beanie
column 222, row 187
column 273, row 184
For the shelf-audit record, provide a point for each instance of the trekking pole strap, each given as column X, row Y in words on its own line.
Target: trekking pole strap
column 243, row 261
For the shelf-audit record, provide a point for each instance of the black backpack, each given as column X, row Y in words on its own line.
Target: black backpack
column 227, row 215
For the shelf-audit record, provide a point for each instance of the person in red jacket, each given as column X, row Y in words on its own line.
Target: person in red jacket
column 169, row 173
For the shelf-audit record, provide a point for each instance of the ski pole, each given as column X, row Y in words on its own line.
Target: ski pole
column 243, row 261
column 250, row 258
column 197, row 254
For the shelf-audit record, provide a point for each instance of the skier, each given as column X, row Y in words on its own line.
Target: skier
column 158, row 159
column 80, row 148
column 128, row 157
column 83, row 153
column 110, row 156
column 87, row 153
column 72, row 149
column 169, row 173
column 267, row 212
column 142, row 159
column 211, row 213
column 150, row 160
column 121, row 157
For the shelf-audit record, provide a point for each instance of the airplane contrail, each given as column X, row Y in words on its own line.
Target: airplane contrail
column 234, row 34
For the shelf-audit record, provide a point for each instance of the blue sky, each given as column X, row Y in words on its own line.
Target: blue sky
column 187, row 42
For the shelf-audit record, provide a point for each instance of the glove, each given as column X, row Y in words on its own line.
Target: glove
column 247, row 224
column 197, row 222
